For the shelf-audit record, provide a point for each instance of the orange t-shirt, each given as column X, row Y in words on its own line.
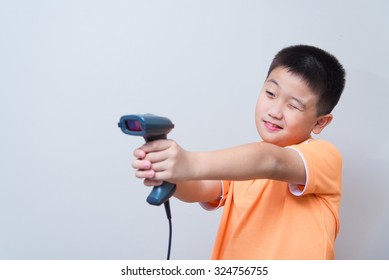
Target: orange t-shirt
column 268, row 219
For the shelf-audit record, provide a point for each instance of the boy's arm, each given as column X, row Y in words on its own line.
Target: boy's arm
column 199, row 191
column 188, row 191
column 165, row 160
column 251, row 161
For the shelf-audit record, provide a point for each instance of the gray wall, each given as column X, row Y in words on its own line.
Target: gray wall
column 70, row 69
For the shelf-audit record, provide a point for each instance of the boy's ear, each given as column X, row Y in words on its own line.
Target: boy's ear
column 321, row 123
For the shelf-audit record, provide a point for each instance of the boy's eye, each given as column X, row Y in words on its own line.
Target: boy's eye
column 294, row 107
column 270, row 94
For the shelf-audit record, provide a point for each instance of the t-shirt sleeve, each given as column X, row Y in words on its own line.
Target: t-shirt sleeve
column 323, row 166
column 213, row 205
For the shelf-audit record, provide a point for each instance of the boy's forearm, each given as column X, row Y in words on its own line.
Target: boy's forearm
column 164, row 160
column 198, row 191
column 238, row 163
column 251, row 161
column 207, row 169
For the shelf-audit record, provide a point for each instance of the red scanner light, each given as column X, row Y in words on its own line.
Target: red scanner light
column 134, row 125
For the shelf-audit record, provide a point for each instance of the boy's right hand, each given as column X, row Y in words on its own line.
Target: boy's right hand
column 165, row 160
column 161, row 160
column 143, row 168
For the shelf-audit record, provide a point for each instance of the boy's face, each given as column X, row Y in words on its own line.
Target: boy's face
column 286, row 111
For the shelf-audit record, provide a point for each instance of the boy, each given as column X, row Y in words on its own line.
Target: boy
column 281, row 195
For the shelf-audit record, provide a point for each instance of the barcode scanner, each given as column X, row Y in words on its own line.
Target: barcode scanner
column 151, row 127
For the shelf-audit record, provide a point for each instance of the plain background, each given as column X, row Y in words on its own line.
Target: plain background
column 70, row 69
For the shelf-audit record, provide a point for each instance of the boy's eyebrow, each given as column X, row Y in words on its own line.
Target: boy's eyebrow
column 301, row 103
column 273, row 81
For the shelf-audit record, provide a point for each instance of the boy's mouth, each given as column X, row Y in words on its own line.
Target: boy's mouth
column 272, row 126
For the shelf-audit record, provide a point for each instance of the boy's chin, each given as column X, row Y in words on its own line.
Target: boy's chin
column 278, row 142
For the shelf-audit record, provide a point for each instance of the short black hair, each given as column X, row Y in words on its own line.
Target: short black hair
column 322, row 72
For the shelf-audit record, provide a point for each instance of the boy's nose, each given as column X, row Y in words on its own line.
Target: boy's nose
column 275, row 112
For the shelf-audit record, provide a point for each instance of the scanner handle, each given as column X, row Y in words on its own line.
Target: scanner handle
column 160, row 194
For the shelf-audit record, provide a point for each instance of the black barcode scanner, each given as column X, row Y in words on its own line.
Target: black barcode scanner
column 151, row 127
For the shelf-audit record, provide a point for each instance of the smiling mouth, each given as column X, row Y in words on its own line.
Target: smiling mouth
column 272, row 126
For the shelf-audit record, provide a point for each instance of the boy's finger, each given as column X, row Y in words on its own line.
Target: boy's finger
column 155, row 146
column 145, row 174
column 152, row 183
column 139, row 153
column 141, row 164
